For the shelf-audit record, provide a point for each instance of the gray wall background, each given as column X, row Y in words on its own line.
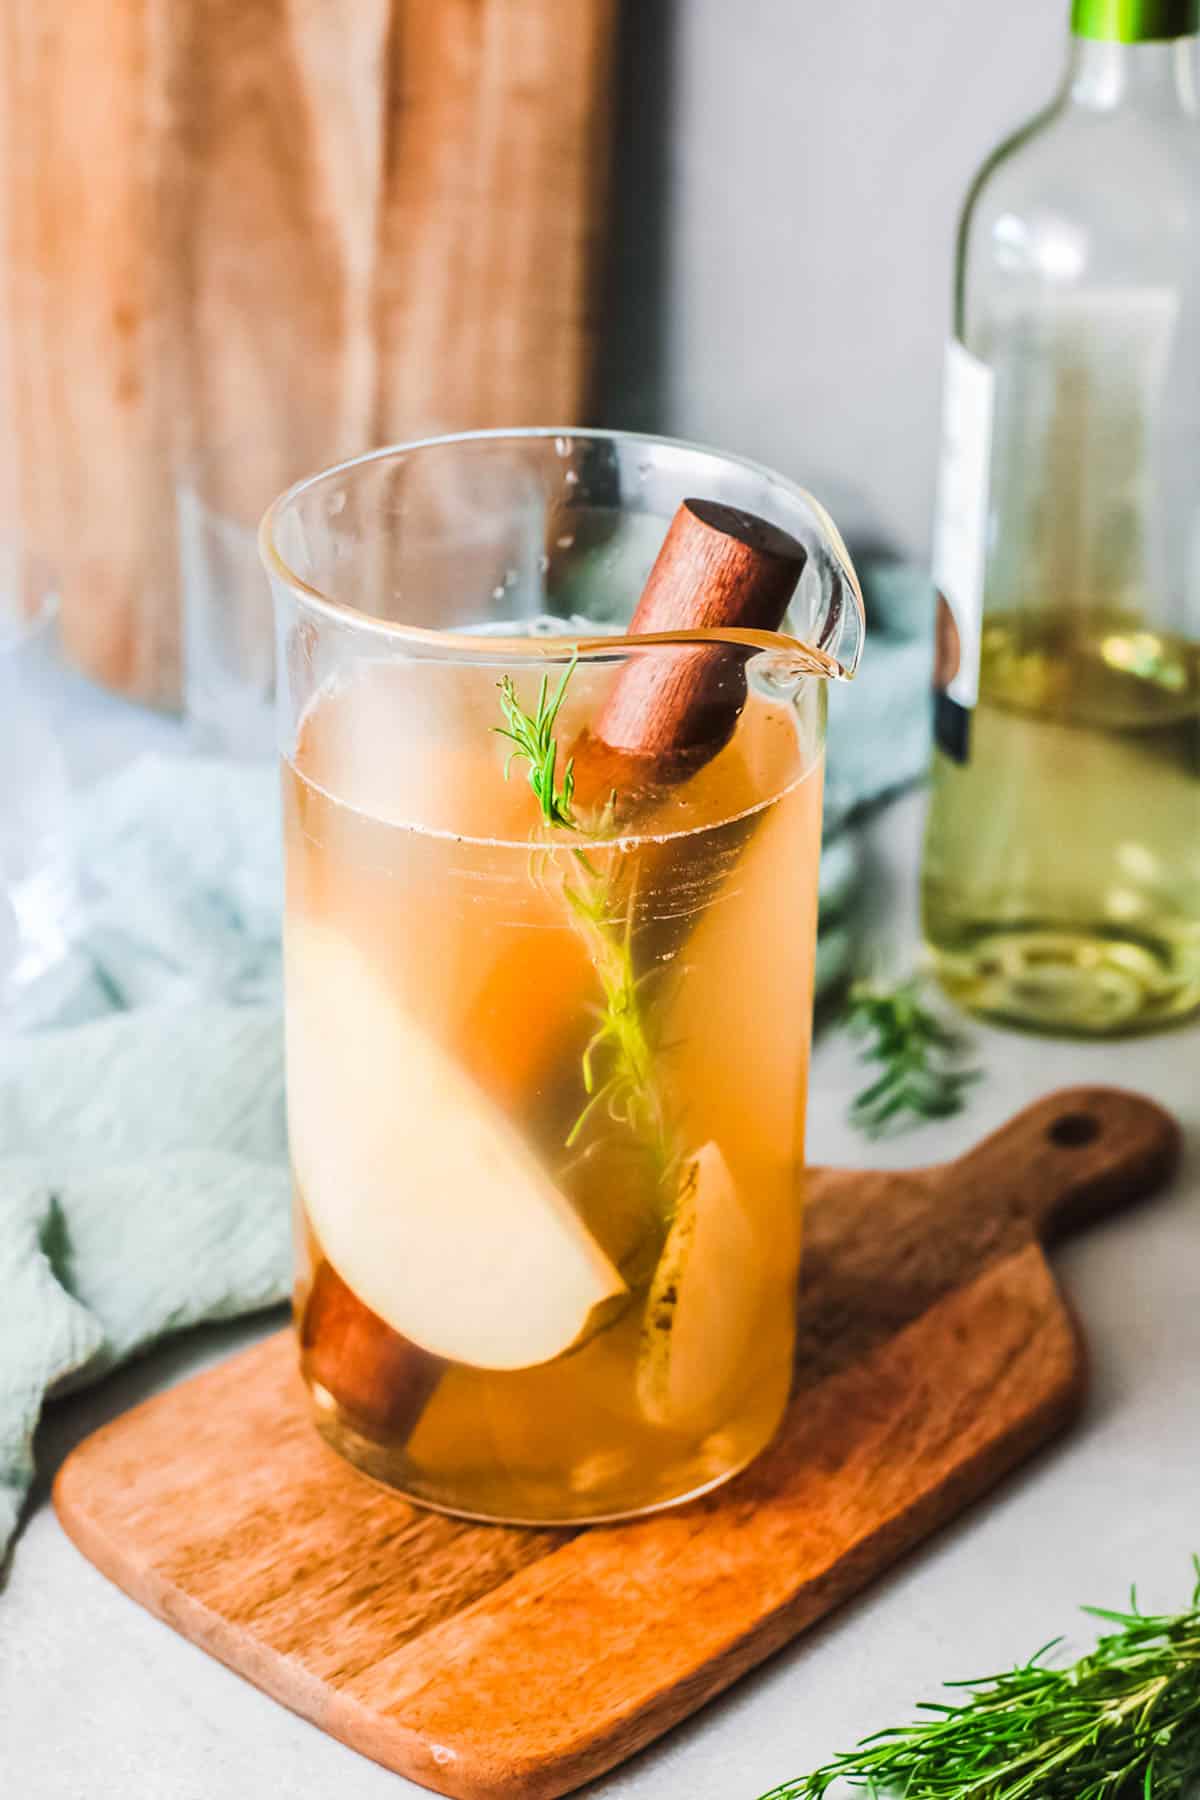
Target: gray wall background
column 788, row 179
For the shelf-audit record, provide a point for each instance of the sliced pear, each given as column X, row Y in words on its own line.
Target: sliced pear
column 425, row 1199
column 702, row 1303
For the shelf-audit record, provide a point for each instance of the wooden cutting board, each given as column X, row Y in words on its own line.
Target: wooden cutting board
column 935, row 1353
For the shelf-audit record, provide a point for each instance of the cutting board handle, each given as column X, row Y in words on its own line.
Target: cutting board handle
column 1073, row 1157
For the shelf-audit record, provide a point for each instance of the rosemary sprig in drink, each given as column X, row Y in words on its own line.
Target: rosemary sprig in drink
column 923, row 1072
column 534, row 742
column 618, row 1063
column 1122, row 1724
column 628, row 1089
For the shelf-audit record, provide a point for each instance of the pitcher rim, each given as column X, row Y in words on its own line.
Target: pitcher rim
column 472, row 646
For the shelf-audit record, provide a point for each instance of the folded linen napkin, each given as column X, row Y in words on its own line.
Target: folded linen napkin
column 143, row 1174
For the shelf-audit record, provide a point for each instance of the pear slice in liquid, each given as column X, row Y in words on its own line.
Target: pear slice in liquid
column 426, row 1200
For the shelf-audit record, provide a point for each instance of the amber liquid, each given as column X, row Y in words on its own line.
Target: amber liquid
column 1062, row 863
column 640, row 1250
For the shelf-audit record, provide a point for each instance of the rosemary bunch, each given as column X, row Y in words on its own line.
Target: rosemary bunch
column 1123, row 1723
column 921, row 1057
column 618, row 1064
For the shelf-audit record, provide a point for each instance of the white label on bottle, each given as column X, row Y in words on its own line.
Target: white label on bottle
column 960, row 532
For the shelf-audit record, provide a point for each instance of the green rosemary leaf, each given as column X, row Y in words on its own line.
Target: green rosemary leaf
column 628, row 1089
column 534, row 742
column 1124, row 1720
column 921, row 1056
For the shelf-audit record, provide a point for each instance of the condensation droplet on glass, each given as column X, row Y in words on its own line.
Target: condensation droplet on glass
column 571, row 478
column 564, row 445
column 565, row 542
column 511, row 578
column 337, row 503
column 543, row 563
column 497, row 593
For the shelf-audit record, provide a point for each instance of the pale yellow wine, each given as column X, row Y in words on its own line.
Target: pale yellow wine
column 1062, row 871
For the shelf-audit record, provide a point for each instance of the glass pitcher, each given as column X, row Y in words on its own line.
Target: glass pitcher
column 547, row 1052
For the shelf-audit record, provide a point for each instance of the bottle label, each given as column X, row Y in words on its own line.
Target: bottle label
column 960, row 542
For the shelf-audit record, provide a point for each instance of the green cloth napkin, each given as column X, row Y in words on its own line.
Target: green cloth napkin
column 143, row 1187
column 143, row 1170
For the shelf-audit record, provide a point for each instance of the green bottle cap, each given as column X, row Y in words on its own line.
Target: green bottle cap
column 1135, row 21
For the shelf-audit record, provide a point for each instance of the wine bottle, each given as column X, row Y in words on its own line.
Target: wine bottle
column 1061, row 878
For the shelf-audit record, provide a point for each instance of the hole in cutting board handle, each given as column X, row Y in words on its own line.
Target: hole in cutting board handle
column 1074, row 1130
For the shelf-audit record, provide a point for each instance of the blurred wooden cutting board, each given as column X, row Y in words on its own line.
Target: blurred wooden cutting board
column 303, row 223
column 934, row 1353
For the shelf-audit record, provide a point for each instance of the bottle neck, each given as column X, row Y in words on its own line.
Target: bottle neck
column 1153, row 77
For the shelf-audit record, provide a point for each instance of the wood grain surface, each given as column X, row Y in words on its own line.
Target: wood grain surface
column 935, row 1352
column 669, row 713
column 284, row 229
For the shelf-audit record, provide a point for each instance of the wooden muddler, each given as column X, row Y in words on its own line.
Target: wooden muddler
column 669, row 712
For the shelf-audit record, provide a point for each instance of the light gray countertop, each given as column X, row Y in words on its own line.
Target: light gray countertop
column 99, row 1701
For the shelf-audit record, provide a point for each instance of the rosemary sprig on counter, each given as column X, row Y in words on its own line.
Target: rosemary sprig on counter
column 922, row 1057
column 1123, row 1723
column 618, row 1064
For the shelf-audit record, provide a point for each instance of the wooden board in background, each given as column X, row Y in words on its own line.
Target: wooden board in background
column 935, row 1353
column 297, row 224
